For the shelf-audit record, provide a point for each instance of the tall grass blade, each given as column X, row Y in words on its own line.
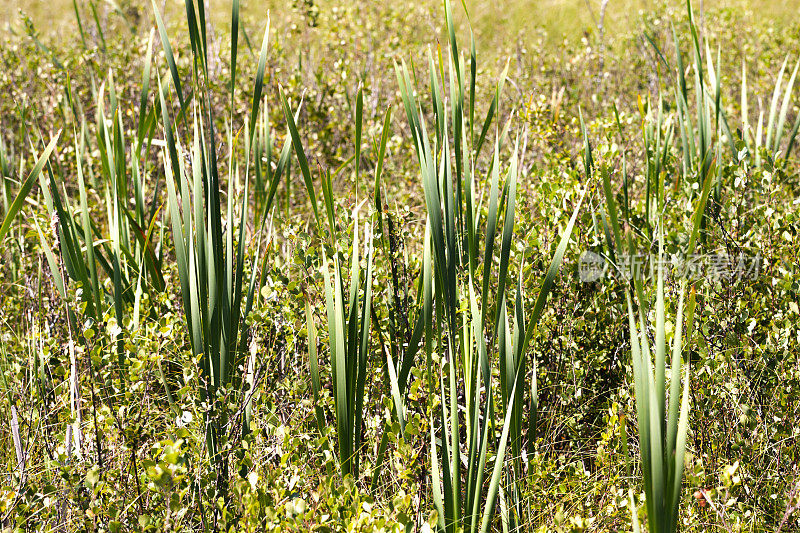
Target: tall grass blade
column 26, row 186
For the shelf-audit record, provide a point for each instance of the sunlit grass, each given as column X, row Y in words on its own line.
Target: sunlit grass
column 175, row 204
column 514, row 17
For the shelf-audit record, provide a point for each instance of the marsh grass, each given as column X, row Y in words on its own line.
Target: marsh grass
column 211, row 245
column 433, row 362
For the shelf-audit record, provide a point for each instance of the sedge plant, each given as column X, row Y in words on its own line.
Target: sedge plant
column 464, row 301
column 349, row 312
column 217, row 265
column 662, row 419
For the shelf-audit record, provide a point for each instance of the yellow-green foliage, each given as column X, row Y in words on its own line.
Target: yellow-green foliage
column 328, row 272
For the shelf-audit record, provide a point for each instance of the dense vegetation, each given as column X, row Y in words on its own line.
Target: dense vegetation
column 374, row 266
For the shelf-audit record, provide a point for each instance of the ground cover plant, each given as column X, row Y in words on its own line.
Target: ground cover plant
column 378, row 267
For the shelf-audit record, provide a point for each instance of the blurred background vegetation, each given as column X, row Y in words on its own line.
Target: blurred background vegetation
column 501, row 19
